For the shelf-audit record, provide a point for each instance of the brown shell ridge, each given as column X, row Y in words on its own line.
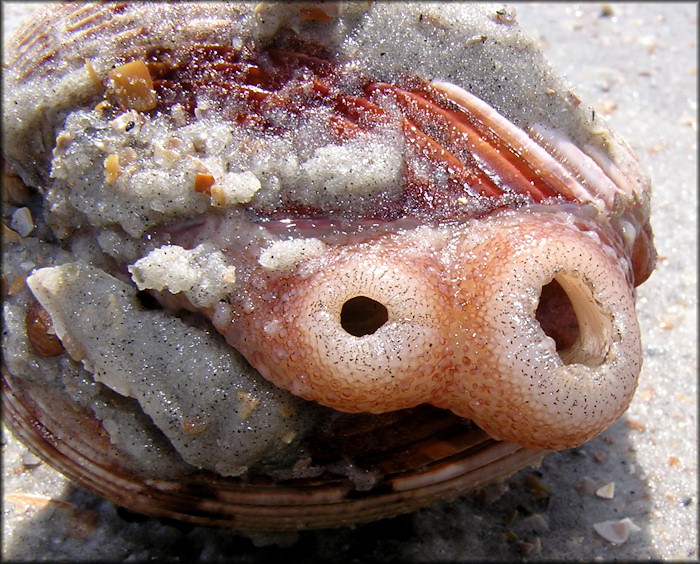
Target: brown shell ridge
column 481, row 161
column 206, row 499
column 484, row 153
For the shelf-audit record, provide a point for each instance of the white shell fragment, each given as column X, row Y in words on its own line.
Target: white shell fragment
column 22, row 222
column 607, row 491
column 616, row 532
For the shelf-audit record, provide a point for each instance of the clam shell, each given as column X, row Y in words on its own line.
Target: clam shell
column 422, row 468
column 126, row 80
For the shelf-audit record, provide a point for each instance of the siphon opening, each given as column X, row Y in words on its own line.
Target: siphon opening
column 557, row 317
column 362, row 316
column 580, row 326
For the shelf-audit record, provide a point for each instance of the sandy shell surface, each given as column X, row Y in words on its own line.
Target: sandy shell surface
column 637, row 64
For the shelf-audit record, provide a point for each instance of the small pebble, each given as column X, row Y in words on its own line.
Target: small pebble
column 634, row 424
column 606, row 11
column 530, row 548
column 536, row 522
column 587, row 486
column 536, row 487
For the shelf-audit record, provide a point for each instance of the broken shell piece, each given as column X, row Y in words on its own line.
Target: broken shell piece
column 203, row 183
column 133, row 86
column 40, row 331
column 30, row 460
column 616, row 532
column 530, row 548
column 536, row 522
column 112, row 168
column 22, row 222
column 607, row 491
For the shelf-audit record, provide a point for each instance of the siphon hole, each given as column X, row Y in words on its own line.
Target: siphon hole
column 556, row 315
column 362, row 316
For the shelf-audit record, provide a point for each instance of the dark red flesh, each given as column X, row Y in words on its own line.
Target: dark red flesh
column 299, row 76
